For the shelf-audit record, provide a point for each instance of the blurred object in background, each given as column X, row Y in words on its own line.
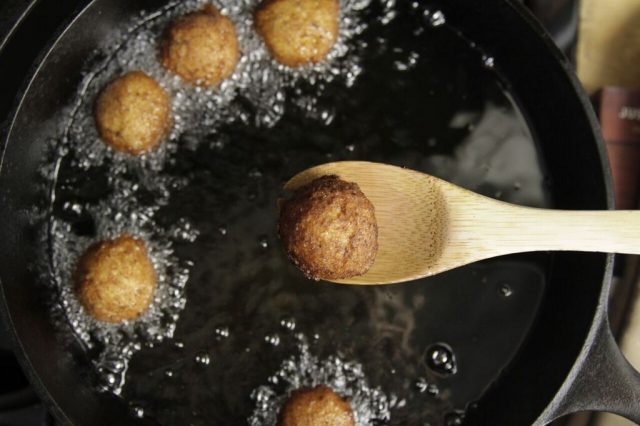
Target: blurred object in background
column 619, row 113
column 608, row 51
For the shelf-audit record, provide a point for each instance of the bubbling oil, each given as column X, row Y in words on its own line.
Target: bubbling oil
column 126, row 192
column 441, row 359
column 259, row 82
column 304, row 370
column 411, row 92
column 111, row 346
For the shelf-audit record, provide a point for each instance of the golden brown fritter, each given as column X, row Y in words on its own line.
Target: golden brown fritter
column 319, row 406
column 329, row 230
column 298, row 32
column 133, row 113
column 201, row 47
column 115, row 280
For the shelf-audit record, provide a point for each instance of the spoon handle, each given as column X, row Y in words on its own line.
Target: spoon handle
column 520, row 229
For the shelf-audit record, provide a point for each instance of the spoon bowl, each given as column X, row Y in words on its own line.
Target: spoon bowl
column 427, row 225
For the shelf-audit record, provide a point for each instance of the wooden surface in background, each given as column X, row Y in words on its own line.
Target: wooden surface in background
column 608, row 52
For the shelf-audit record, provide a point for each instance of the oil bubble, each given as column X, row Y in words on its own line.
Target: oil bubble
column 441, row 359
column 505, row 290
column 110, row 379
column 288, row 323
column 73, row 207
column 435, row 18
column 203, row 358
column 396, row 402
column 137, row 411
column 263, row 242
column 221, row 333
column 423, row 386
column 454, row 418
column 488, row 61
column 114, row 365
column 272, row 339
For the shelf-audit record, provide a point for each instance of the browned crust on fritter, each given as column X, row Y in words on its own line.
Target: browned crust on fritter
column 298, row 32
column 133, row 113
column 201, row 47
column 329, row 230
column 115, row 279
column 319, row 406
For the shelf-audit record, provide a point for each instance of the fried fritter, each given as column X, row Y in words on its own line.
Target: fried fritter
column 115, row 280
column 133, row 113
column 328, row 228
column 201, row 47
column 319, row 406
column 298, row 32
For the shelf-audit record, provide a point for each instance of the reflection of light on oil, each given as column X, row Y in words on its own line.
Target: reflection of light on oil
column 497, row 153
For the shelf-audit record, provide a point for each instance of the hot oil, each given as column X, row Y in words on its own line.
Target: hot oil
column 406, row 90
column 304, row 370
column 99, row 194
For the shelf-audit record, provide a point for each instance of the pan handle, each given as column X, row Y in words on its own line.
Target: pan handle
column 603, row 381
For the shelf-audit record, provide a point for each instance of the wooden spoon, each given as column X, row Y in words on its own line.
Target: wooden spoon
column 427, row 226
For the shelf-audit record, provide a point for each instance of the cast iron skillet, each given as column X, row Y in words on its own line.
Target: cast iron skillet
column 568, row 363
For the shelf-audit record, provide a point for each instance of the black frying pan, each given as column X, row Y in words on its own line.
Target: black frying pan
column 569, row 361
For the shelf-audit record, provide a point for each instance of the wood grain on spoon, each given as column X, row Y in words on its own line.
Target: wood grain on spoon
column 427, row 225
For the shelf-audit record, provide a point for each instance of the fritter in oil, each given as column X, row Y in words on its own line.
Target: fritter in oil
column 319, row 406
column 298, row 32
column 133, row 113
column 201, row 47
column 328, row 228
column 115, row 280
